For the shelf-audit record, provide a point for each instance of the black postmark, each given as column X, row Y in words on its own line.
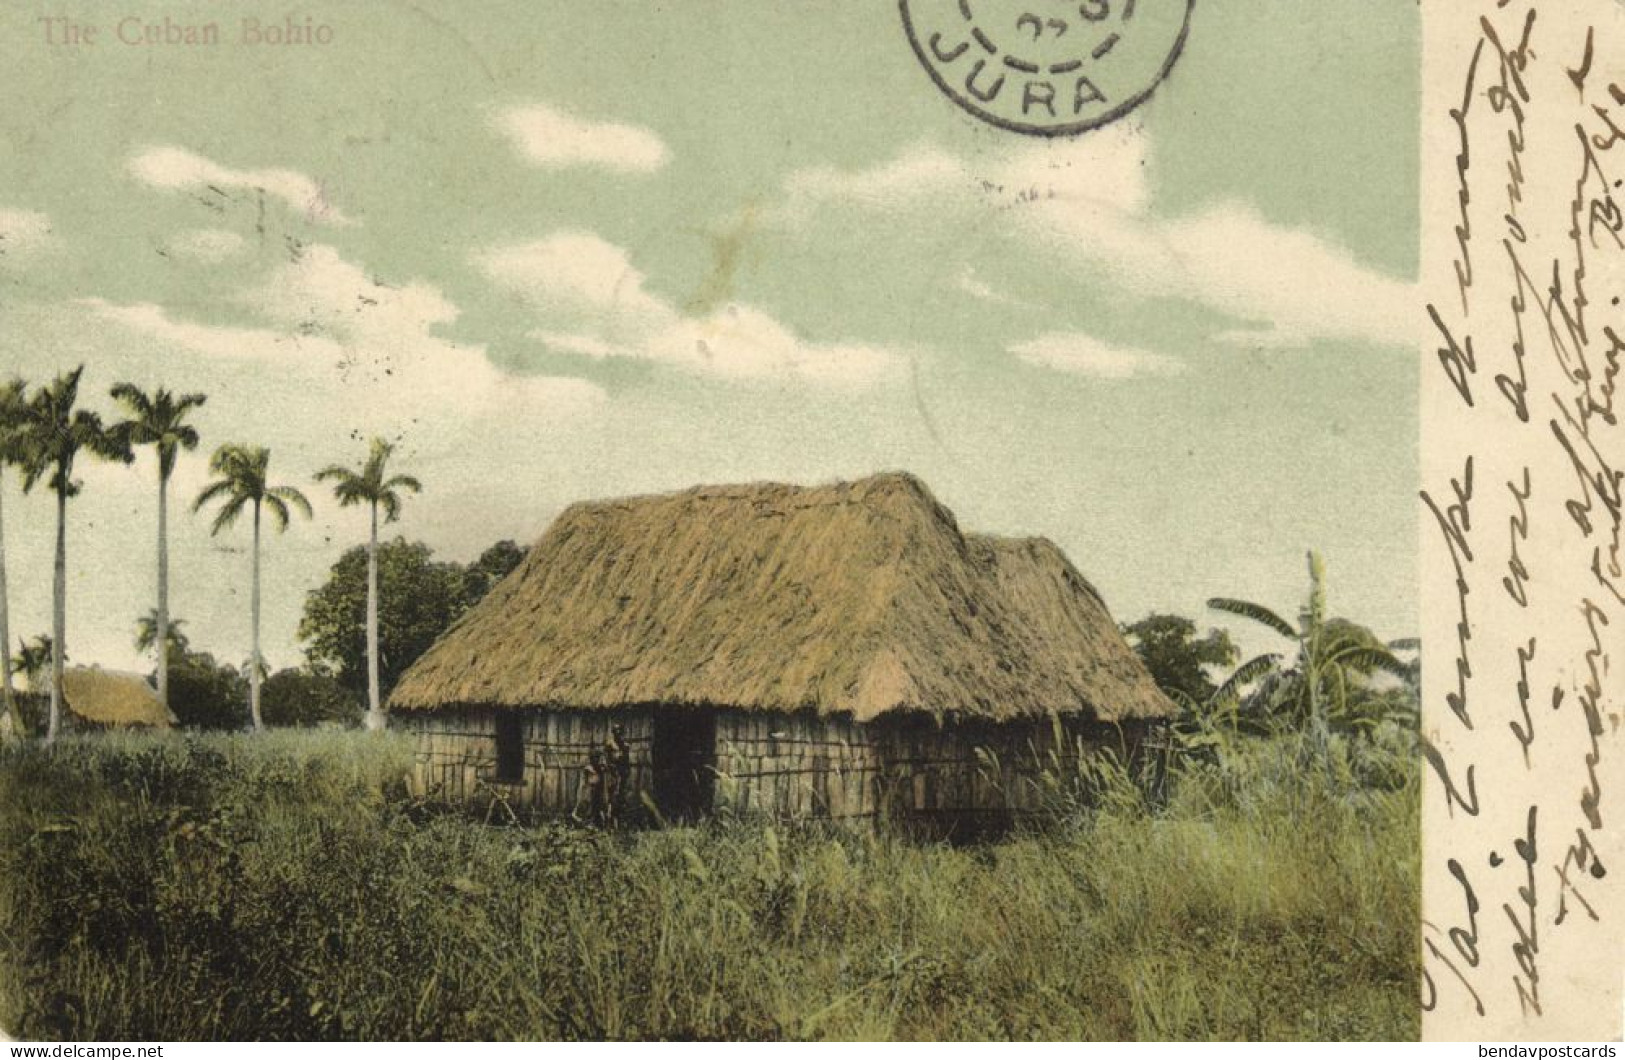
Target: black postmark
column 1047, row 67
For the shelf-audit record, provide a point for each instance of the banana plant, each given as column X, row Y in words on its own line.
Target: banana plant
column 1309, row 684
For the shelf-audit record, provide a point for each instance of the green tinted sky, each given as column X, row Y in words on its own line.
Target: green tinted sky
column 582, row 249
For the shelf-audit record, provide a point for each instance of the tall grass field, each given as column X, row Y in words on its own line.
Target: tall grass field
column 283, row 886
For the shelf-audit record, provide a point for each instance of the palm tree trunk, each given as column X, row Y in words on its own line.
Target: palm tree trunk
column 375, row 710
column 59, row 611
column 163, row 586
column 254, row 660
column 11, row 722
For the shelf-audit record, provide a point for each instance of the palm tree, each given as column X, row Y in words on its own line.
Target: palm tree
column 1314, row 688
column 32, row 659
column 55, row 434
column 13, row 420
column 146, row 636
column 159, row 420
column 242, row 481
column 369, row 486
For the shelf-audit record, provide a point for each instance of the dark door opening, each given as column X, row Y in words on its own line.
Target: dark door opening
column 510, row 748
column 683, row 759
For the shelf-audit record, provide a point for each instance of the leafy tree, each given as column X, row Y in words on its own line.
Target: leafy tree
column 159, row 420
column 243, row 482
column 424, row 597
column 56, row 433
column 205, row 694
column 1177, row 658
column 494, row 564
column 372, row 487
column 1314, row 688
column 13, row 438
column 305, row 698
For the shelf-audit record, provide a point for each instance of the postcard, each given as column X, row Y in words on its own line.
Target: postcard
column 912, row 520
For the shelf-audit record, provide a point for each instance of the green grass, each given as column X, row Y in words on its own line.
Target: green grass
column 281, row 886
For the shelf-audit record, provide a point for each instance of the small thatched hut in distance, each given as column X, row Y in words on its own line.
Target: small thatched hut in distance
column 110, row 699
column 841, row 651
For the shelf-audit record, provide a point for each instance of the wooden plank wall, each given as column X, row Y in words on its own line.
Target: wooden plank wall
column 795, row 766
column 777, row 765
column 979, row 775
column 456, row 759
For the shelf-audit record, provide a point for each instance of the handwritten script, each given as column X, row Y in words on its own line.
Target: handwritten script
column 1523, row 566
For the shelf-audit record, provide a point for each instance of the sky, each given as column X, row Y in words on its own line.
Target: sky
column 559, row 251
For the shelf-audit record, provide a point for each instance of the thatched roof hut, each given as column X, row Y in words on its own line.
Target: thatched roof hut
column 842, row 606
column 857, row 599
column 112, row 699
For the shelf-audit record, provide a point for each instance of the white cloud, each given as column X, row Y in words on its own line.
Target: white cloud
column 319, row 291
column 175, row 169
column 1087, row 203
column 1107, row 167
column 552, row 139
column 744, row 343
column 208, row 245
column 594, row 304
column 367, row 347
column 580, row 345
column 288, row 352
column 969, row 282
column 575, row 274
column 1296, row 285
column 1082, row 354
column 1289, row 286
column 914, row 176
column 22, row 231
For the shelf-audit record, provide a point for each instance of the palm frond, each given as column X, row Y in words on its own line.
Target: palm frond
column 227, row 516
column 291, row 496
column 368, row 485
column 1245, row 674
column 1365, row 658
column 216, row 489
column 278, row 509
column 109, row 443
column 1256, row 612
column 1264, row 696
column 34, row 467
column 133, row 398
column 378, row 454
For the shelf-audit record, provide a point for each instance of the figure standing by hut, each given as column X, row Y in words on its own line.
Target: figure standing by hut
column 618, row 761
column 591, row 794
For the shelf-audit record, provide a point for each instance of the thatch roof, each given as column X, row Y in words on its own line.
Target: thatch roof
column 858, row 598
column 109, row 697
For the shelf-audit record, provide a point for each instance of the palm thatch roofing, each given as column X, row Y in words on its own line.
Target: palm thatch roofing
column 858, row 598
column 113, row 698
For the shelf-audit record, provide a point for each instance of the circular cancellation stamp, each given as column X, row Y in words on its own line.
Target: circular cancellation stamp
column 1047, row 67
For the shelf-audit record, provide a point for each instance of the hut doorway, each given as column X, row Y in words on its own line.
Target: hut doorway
column 683, row 759
column 510, row 730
